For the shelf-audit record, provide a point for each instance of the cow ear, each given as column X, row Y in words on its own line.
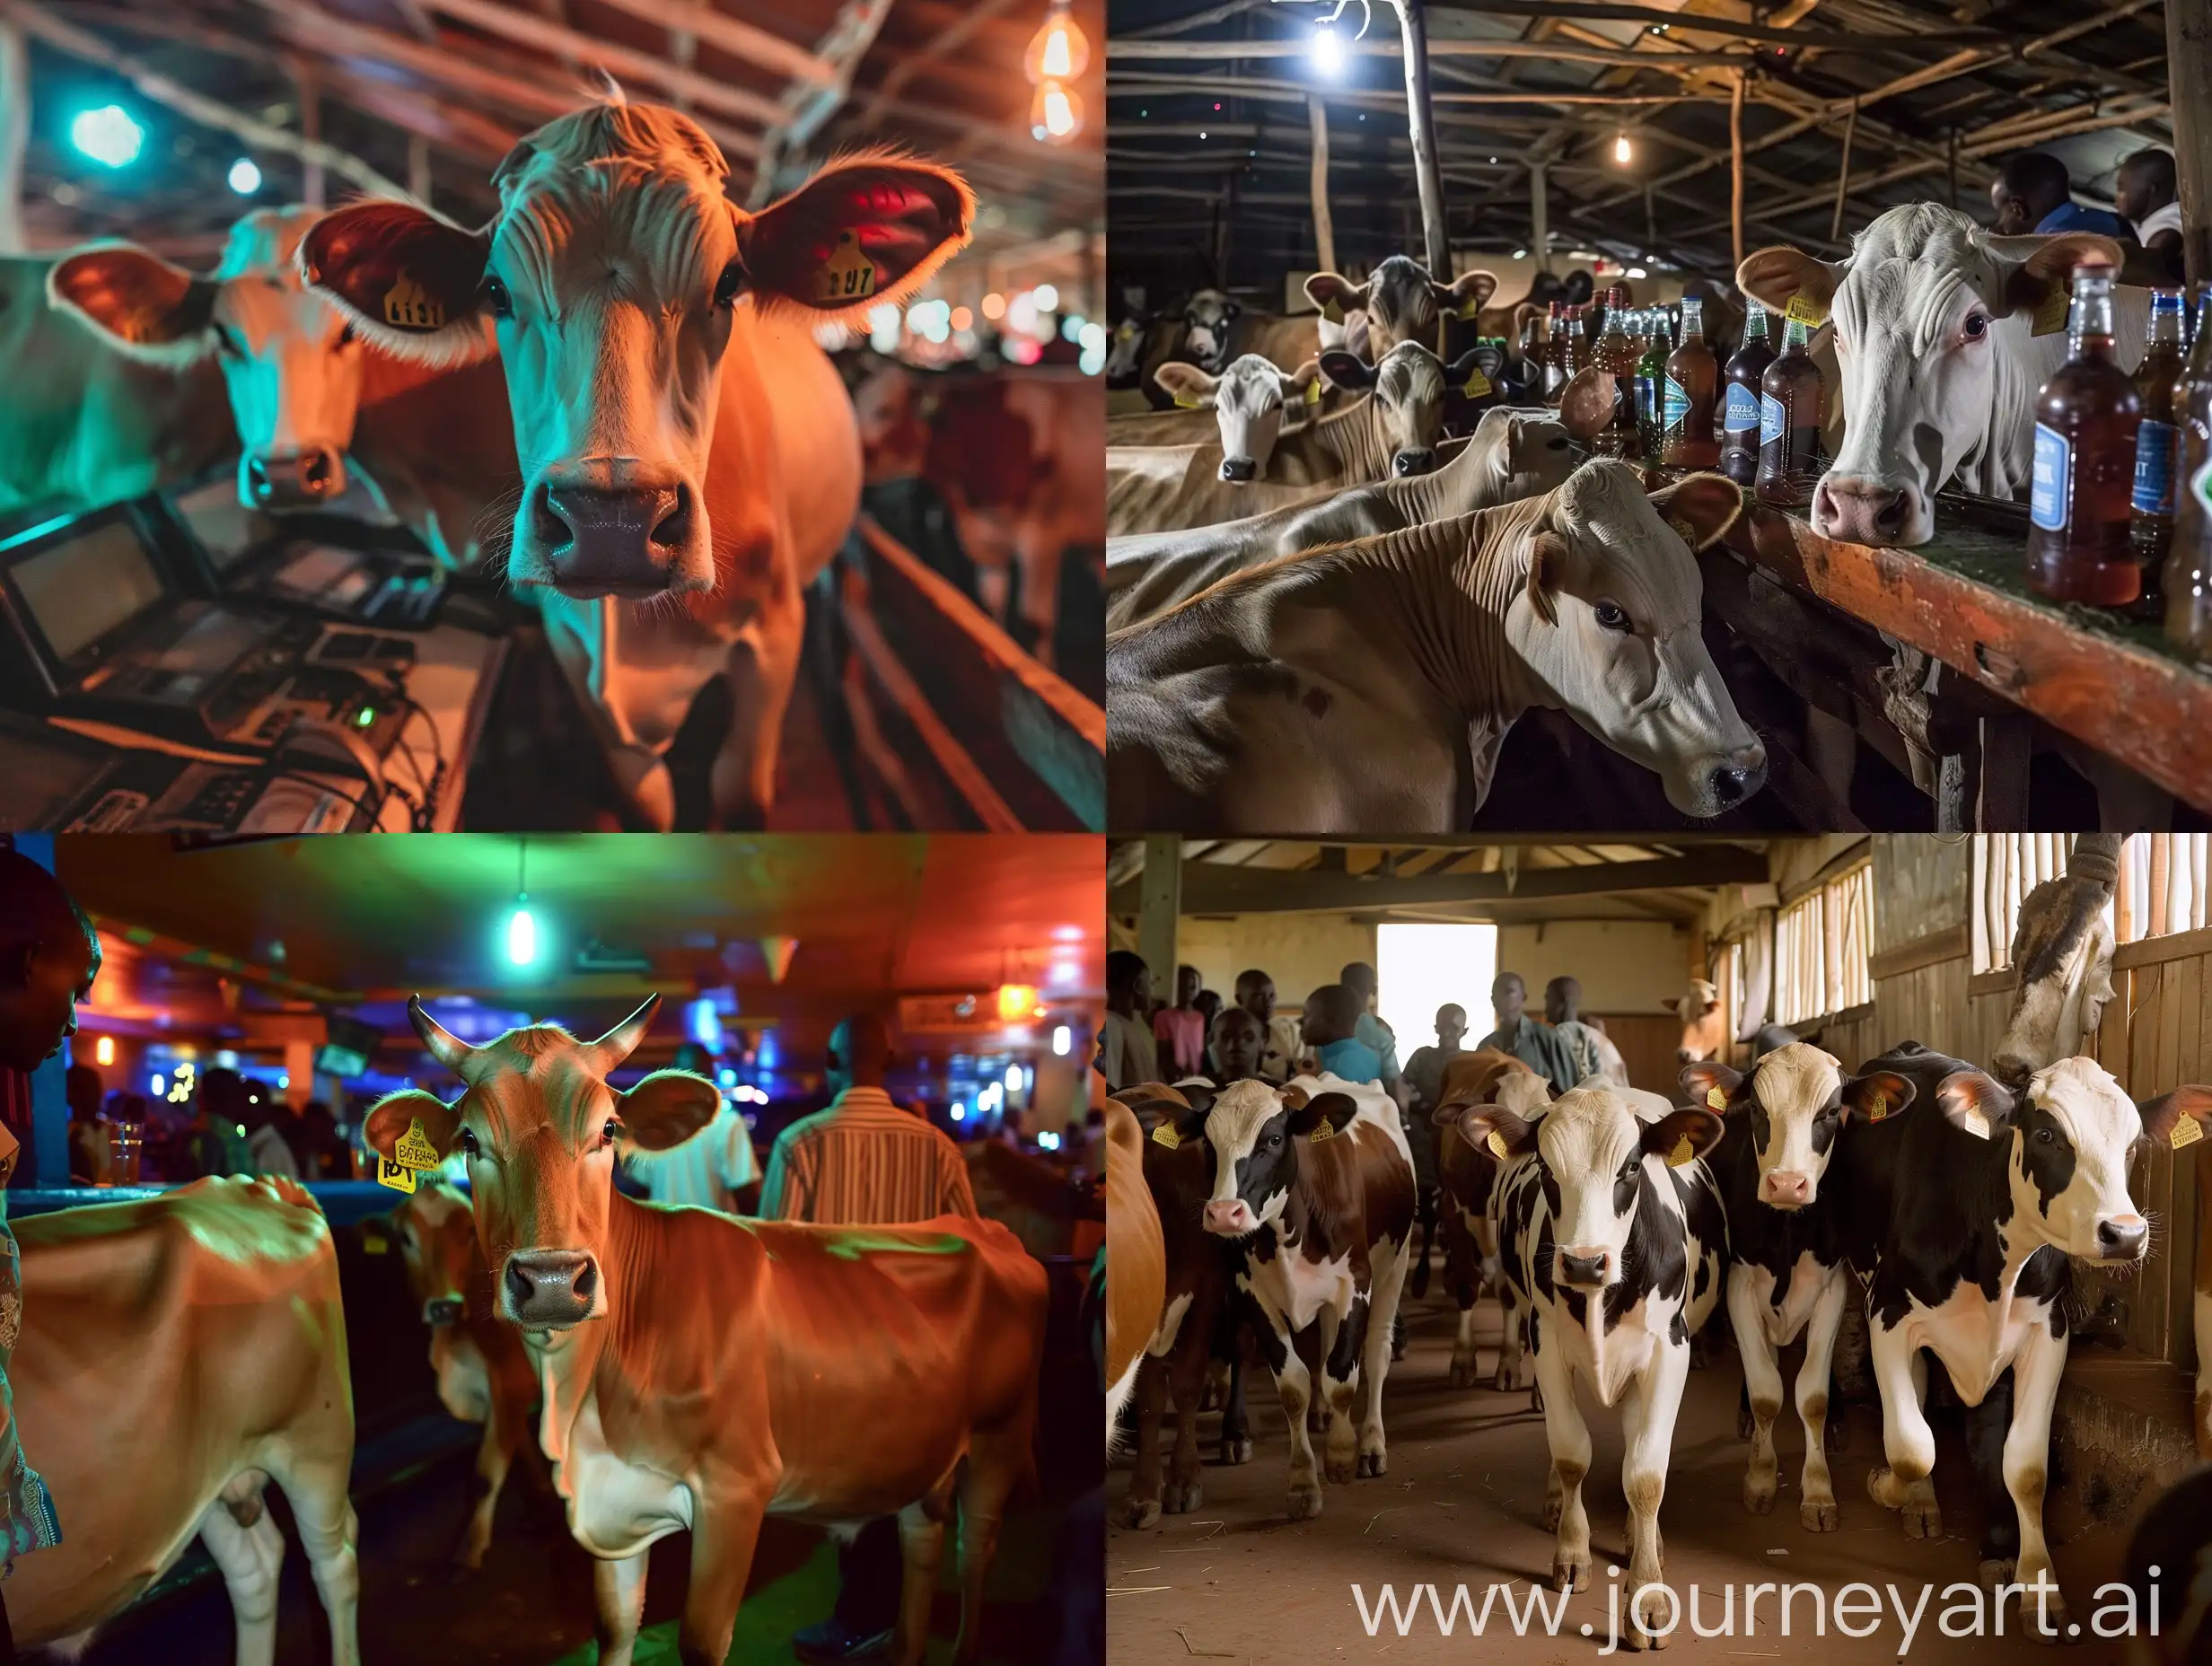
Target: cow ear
column 1490, row 1128
column 868, row 229
column 1877, row 1094
column 1586, row 403
column 1346, row 370
column 1189, row 386
column 2164, row 1117
column 1328, row 289
column 1713, row 1084
column 2029, row 268
column 1292, row 1095
column 410, row 284
column 668, row 1107
column 1331, row 1111
column 1302, row 385
column 1701, row 508
column 1682, row 1134
column 1465, row 295
column 1973, row 1102
column 1775, row 276
column 149, row 309
column 393, row 1114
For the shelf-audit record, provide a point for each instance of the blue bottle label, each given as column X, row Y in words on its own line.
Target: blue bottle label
column 1740, row 415
column 1772, row 419
column 2158, row 446
column 2054, row 467
column 1645, row 410
column 1677, row 403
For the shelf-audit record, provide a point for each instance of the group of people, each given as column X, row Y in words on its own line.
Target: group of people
column 2033, row 195
column 234, row 1126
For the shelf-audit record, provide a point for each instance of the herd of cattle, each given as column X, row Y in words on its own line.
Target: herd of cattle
column 1612, row 1223
column 181, row 1354
column 1324, row 545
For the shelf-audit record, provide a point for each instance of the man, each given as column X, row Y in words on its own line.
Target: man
column 216, row 1142
column 1255, row 993
column 1425, row 1070
column 267, row 1148
column 714, row 1168
column 1238, row 1046
column 1536, row 1044
column 1359, row 977
column 2034, row 193
column 1332, row 1014
column 1593, row 1050
column 863, row 1162
column 1129, row 1056
column 50, row 956
column 1180, row 1029
column 88, row 1161
column 2147, row 195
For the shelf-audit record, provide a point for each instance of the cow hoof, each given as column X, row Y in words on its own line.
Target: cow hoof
column 1141, row 1512
column 1463, row 1375
column 1996, row 1571
column 1923, row 1520
column 1758, row 1500
column 1503, row 1380
column 1570, row 1575
column 1236, row 1448
column 1342, row 1471
column 1182, row 1500
column 1638, row 1638
column 1374, row 1463
column 1818, row 1515
column 1305, row 1502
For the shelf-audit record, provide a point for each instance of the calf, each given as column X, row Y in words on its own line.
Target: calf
column 1253, row 402
column 1612, row 1232
column 1218, row 328
column 701, row 1372
column 1786, row 1239
column 1391, row 668
column 1402, row 303
column 1135, row 1259
column 1466, row 1172
column 1313, row 1180
column 1705, row 1025
column 484, row 1376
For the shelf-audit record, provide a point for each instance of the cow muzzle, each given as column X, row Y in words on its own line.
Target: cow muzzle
column 1414, row 459
column 443, row 1311
column 549, row 1289
column 300, row 480
column 1736, row 777
column 1239, row 471
column 1585, row 1268
column 1233, row 1219
column 1863, row 511
column 2122, row 1238
column 1783, row 1188
column 627, row 541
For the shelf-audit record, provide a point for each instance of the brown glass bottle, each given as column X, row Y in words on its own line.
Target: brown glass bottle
column 2157, row 448
column 1555, row 353
column 1575, row 351
column 1687, row 396
column 1739, row 418
column 2189, row 558
column 2085, row 422
column 1615, row 354
column 1789, row 424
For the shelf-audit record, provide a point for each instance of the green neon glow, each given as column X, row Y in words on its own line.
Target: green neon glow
column 851, row 1245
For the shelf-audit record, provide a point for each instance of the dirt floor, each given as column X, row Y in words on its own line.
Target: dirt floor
column 1463, row 1504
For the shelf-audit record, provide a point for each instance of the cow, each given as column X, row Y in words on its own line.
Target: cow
column 1393, row 430
column 1705, row 1023
column 1466, row 1171
column 700, row 1371
column 1511, row 455
column 1253, row 402
column 1941, row 344
column 84, row 425
column 1964, row 1218
column 1391, row 668
column 1613, row 1235
column 484, row 1376
column 177, row 1355
column 1787, row 1262
column 1402, row 303
column 1314, row 1181
column 689, row 456
column 1218, row 328
column 1136, row 1260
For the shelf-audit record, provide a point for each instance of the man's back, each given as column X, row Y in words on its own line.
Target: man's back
column 865, row 1162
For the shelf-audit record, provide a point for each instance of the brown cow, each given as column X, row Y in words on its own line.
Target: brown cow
column 1705, row 1026
column 1466, row 1171
column 484, row 1376
column 1402, row 301
column 178, row 1354
column 703, row 1372
column 1135, row 1259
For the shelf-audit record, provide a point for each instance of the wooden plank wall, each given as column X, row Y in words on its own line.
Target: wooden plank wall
column 1649, row 1042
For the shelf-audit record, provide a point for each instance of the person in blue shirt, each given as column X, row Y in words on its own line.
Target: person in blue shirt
column 1332, row 1034
column 2034, row 193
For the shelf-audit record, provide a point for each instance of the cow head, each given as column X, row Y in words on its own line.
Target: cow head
column 1595, row 1150
column 1125, row 353
column 1258, row 1134
column 1249, row 401
column 290, row 363
column 1533, row 453
column 614, row 276
column 2062, row 962
column 1402, row 301
column 1608, row 621
column 1497, row 1083
column 1408, row 384
column 537, row 1124
column 1931, row 318
column 436, row 1236
column 1703, row 1032
column 1797, row 1099
column 2071, row 1134
column 1209, row 320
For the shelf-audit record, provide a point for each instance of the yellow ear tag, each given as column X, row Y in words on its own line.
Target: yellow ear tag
column 2187, row 1131
column 1165, row 1135
column 2051, row 310
column 1878, row 1106
column 1802, row 308
column 848, row 275
column 389, row 1173
column 1497, row 1142
column 1187, row 402
column 1477, row 386
column 1682, row 1152
column 1333, row 311
column 413, row 1149
column 1471, row 308
column 374, row 1244
column 1313, row 392
column 1322, row 1130
column 409, row 305
column 1715, row 1100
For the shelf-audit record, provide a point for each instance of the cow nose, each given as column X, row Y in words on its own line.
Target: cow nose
column 627, row 541
column 1226, row 1217
column 2121, row 1238
column 1414, row 460
column 1785, row 1186
column 444, row 1310
column 1736, row 779
column 1862, row 511
column 294, row 479
column 1239, row 468
column 551, row 1289
column 1588, row 1268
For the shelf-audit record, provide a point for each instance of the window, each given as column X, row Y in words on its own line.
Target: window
column 1421, row 967
column 1821, row 945
column 2007, row 866
column 2164, row 886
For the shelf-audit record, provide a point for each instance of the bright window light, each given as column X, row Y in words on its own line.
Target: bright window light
column 1421, row 967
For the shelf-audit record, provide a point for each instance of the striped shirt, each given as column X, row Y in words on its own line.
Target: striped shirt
column 706, row 1170
column 865, row 1162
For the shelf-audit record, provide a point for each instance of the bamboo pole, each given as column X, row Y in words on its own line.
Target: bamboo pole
column 1843, row 174
column 2189, row 64
column 14, row 131
column 1324, row 228
column 1735, row 178
column 1414, row 39
column 1726, row 28
column 1540, row 214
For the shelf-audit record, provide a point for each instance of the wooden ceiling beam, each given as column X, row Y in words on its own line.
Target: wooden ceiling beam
column 746, row 41
column 1211, row 887
column 1197, row 51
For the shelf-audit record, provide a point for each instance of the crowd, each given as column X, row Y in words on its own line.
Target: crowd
column 230, row 1125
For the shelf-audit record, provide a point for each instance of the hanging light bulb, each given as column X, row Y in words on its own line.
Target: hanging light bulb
column 1055, row 114
column 1326, row 50
column 1621, row 149
column 1057, row 51
column 522, row 924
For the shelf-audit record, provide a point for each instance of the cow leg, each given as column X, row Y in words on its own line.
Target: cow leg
column 1762, row 1381
column 1236, row 1427
column 723, row 1538
column 1462, row 1272
column 2036, row 1371
column 323, row 1515
column 495, row 1456
column 249, row 1551
column 1343, row 1339
column 1987, row 1427
column 1508, row 1376
column 761, row 671
column 1390, row 1281
column 1903, row 1484
column 1142, row 1506
column 1569, row 1437
column 1188, row 1368
column 2203, row 1316
column 996, row 1462
column 1648, row 1411
column 1816, row 1508
column 619, row 1591
column 921, row 1552
column 1294, row 1384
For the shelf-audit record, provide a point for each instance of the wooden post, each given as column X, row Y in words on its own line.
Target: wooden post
column 1414, row 34
column 1735, row 158
column 1324, row 230
column 310, row 129
column 1954, row 167
column 1539, row 217
column 1161, row 892
column 2189, row 64
column 15, row 130
column 1843, row 174
column 418, row 169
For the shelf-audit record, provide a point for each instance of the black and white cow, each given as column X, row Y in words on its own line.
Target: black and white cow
column 1787, row 1263
column 1314, row 1181
column 1613, row 1235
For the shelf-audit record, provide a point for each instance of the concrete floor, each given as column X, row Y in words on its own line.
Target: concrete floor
column 1463, row 1504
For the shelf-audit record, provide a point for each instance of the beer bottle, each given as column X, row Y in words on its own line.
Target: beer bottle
column 2188, row 561
column 1555, row 353
column 1687, row 403
column 1651, row 371
column 2157, row 445
column 1739, row 449
column 2086, row 421
column 1576, row 352
column 1789, row 424
column 1616, row 356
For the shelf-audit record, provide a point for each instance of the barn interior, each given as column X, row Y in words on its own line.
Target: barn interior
column 1855, row 945
column 291, row 962
column 966, row 590
column 1566, row 148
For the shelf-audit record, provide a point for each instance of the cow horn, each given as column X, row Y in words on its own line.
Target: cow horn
column 618, row 1043
column 448, row 1048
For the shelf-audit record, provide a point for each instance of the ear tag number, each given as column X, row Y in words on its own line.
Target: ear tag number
column 2187, row 1131
column 408, row 306
column 1877, row 1107
column 1802, row 308
column 848, row 275
column 413, row 1150
column 1497, row 1142
column 1187, row 402
column 392, row 1174
column 1165, row 1135
column 2050, row 312
column 1322, row 1130
column 1715, row 1100
column 1477, row 386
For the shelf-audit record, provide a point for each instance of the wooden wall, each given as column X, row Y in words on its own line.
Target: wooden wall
column 1649, row 1042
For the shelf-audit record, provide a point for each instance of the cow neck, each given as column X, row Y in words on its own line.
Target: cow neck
column 1314, row 1220
column 1346, row 444
column 568, row 1361
column 1452, row 489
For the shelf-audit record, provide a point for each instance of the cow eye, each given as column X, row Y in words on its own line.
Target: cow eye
column 1613, row 616
column 1976, row 326
column 610, row 1131
column 2043, row 1137
column 227, row 344
column 468, row 1142
column 497, row 299
column 346, row 335
column 729, row 285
